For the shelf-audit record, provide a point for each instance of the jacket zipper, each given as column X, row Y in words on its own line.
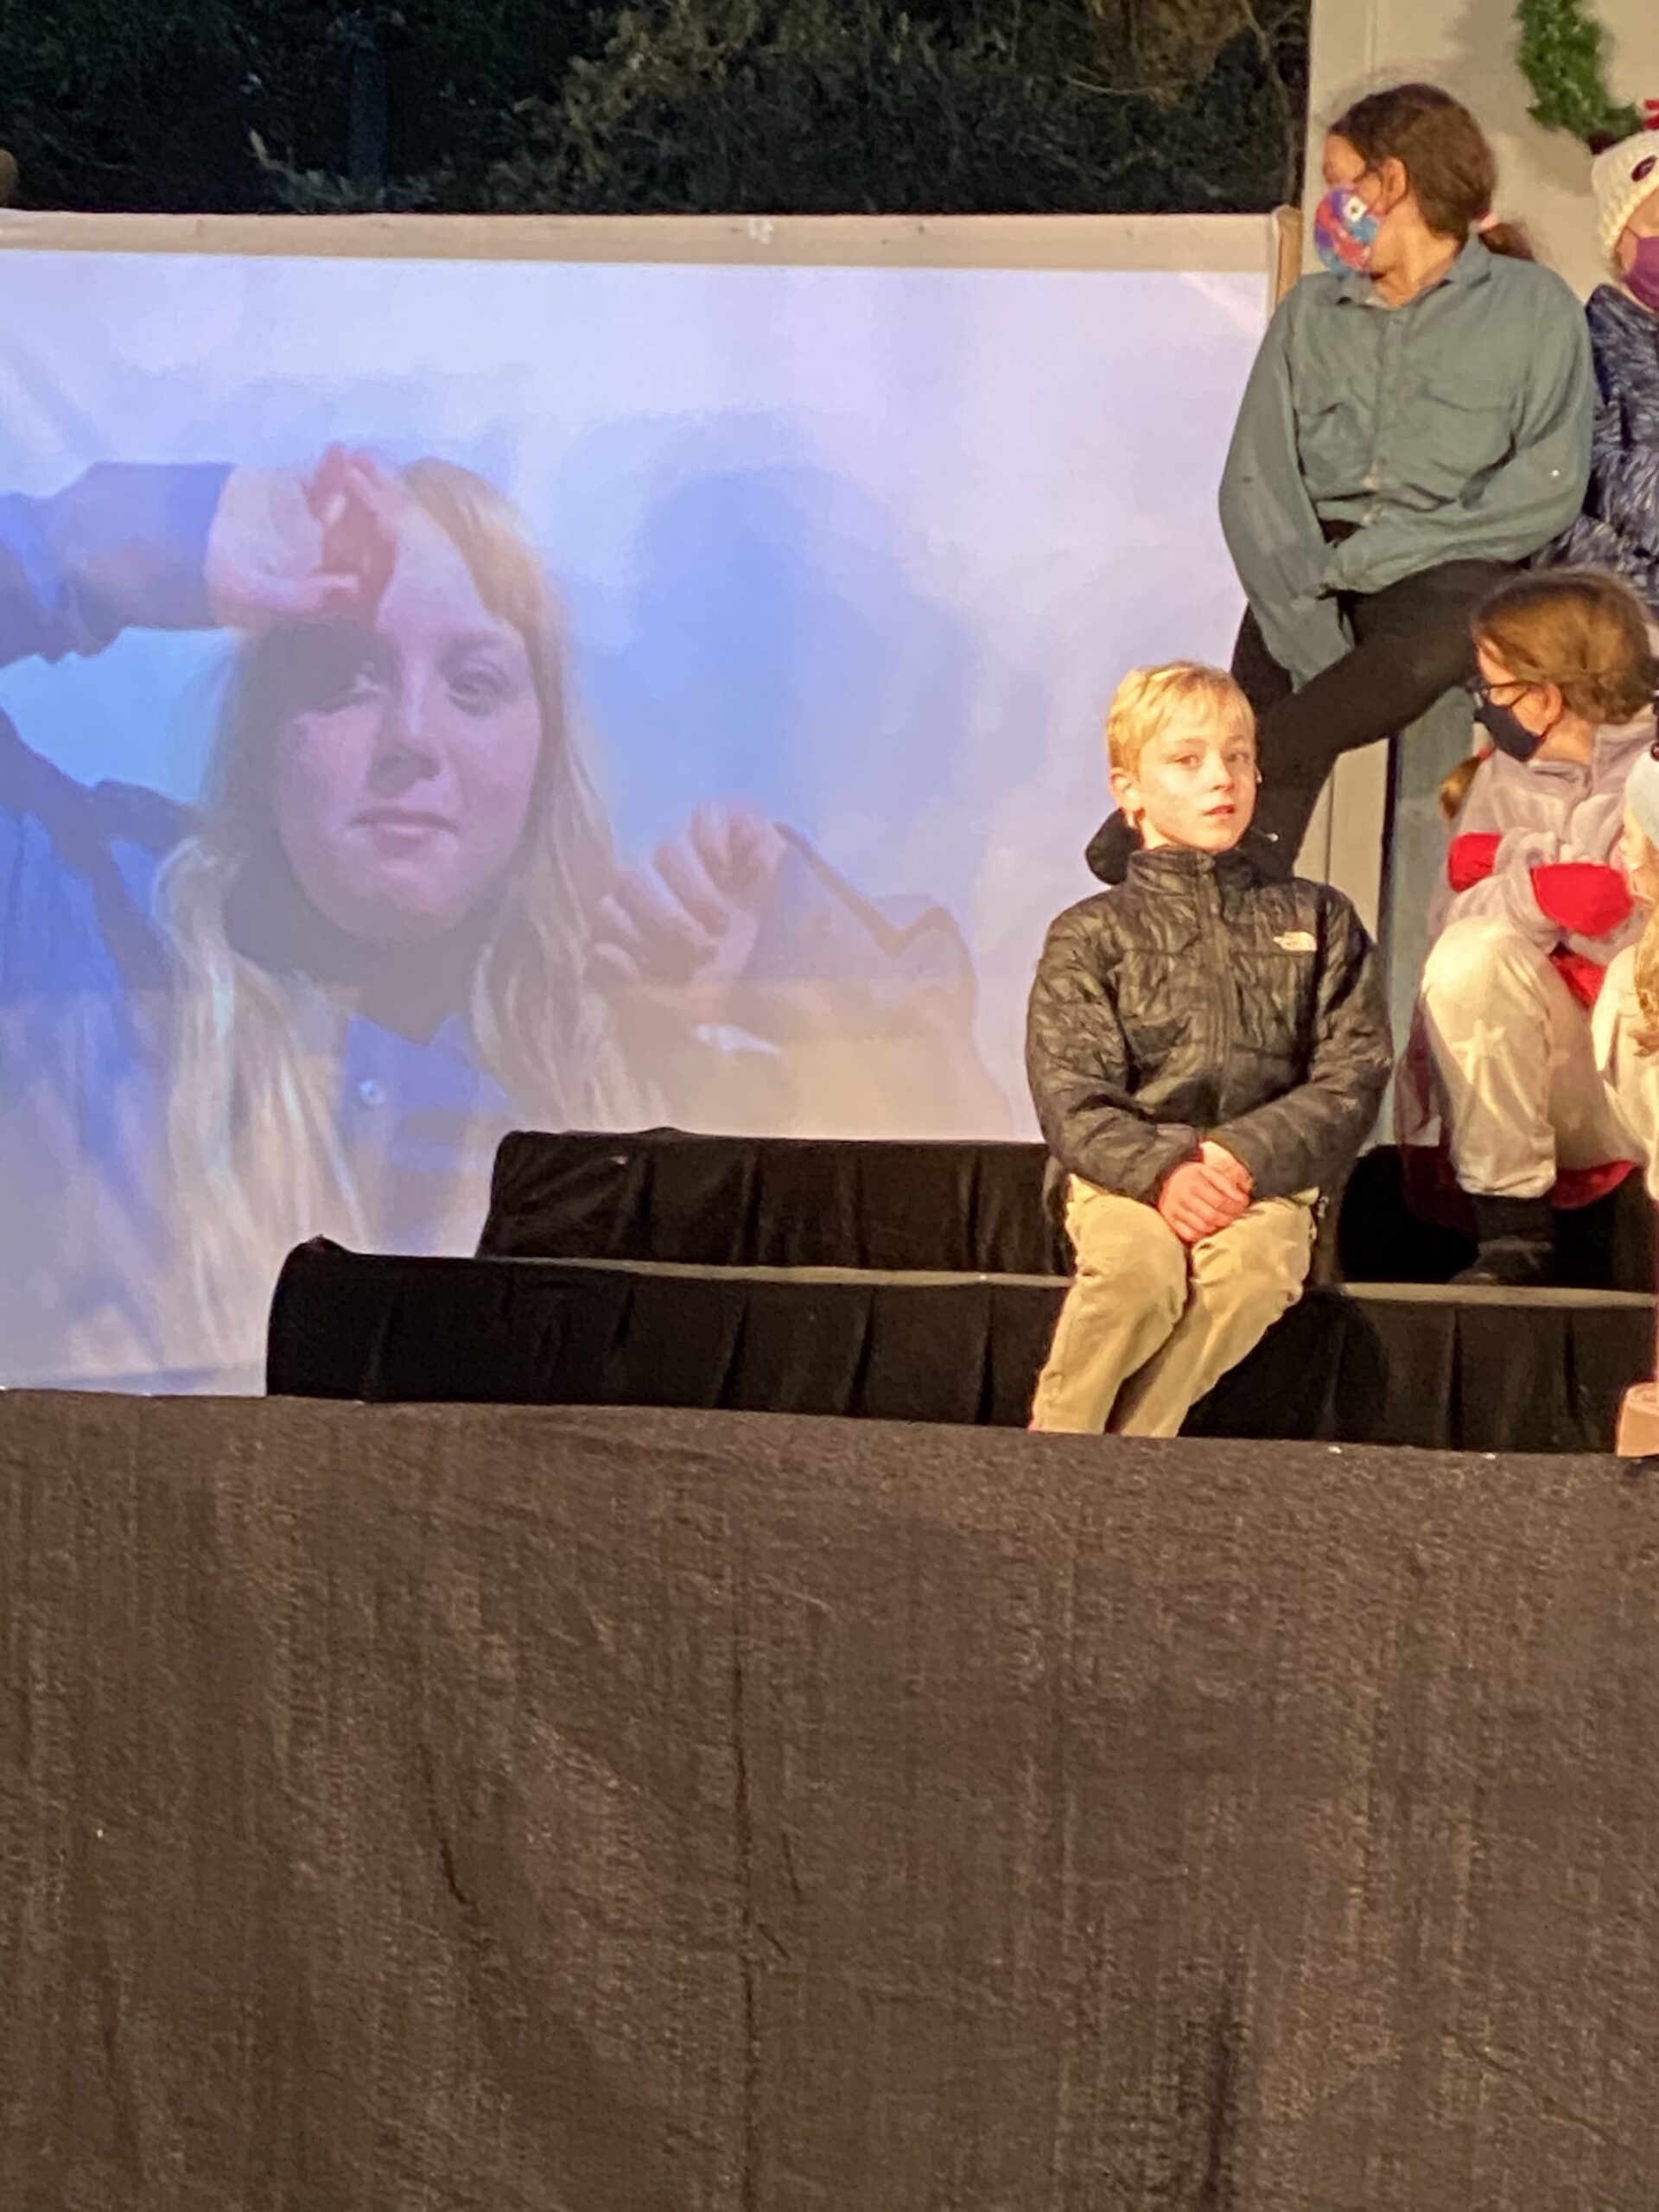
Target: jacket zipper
column 1218, row 957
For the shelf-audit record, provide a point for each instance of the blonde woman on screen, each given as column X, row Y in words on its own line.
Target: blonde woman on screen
column 395, row 820
column 393, row 929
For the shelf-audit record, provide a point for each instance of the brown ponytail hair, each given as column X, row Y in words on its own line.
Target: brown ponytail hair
column 1444, row 151
column 1455, row 789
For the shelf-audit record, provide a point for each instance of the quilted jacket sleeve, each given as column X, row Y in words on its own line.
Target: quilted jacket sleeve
column 1078, row 1066
column 1620, row 527
column 1626, row 495
column 1625, row 489
column 1303, row 1140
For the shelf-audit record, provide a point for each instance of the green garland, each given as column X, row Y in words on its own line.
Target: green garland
column 1561, row 57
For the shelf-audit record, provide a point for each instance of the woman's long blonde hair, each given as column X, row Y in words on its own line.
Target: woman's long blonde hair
column 254, row 1151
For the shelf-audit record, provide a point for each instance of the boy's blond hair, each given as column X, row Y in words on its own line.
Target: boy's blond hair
column 1148, row 699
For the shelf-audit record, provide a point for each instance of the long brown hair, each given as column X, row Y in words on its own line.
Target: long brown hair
column 1582, row 630
column 1455, row 789
column 1444, row 151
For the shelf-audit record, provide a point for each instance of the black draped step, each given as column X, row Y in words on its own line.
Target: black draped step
column 1484, row 1370
column 955, row 1209
column 853, row 1280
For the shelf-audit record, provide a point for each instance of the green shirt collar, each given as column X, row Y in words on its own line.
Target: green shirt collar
column 1472, row 266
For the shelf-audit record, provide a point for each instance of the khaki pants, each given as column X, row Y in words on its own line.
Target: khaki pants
column 1148, row 1325
column 1515, row 1064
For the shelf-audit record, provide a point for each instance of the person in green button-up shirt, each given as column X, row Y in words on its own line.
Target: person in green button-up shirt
column 1413, row 429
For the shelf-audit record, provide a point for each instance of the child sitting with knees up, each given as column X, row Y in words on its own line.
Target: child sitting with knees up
column 1206, row 1049
column 1501, row 1071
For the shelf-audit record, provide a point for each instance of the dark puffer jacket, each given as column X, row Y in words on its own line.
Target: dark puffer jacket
column 1199, row 1000
column 1620, row 527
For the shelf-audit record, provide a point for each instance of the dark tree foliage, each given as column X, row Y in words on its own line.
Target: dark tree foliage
column 156, row 104
column 665, row 106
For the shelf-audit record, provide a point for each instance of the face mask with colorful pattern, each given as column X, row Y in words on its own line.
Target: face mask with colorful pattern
column 1345, row 232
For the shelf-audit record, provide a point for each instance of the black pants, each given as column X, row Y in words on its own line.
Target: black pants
column 1411, row 644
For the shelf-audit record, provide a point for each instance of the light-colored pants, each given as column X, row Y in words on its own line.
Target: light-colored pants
column 1149, row 1323
column 1515, row 1067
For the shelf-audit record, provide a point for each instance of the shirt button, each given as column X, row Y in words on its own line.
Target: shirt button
column 369, row 1093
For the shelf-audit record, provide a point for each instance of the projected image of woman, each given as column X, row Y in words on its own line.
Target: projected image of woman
column 394, row 927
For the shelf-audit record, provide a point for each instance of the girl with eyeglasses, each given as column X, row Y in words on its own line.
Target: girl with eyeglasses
column 1499, row 1080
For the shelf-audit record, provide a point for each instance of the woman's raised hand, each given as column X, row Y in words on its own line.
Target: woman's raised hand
column 286, row 544
column 688, row 922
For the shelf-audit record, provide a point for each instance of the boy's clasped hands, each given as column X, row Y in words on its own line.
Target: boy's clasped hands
column 1202, row 1197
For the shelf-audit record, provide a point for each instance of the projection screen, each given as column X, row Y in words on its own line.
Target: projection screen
column 457, row 675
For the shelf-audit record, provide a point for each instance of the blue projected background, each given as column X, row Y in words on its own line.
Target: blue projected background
column 866, row 549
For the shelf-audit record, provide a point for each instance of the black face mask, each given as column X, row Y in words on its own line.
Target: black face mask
column 1504, row 726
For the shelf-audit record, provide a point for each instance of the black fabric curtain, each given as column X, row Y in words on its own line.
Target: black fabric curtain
column 774, row 1202
column 1488, row 1374
column 538, row 1811
column 960, row 1208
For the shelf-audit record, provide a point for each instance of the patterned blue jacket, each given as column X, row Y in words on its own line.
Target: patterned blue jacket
column 1620, row 527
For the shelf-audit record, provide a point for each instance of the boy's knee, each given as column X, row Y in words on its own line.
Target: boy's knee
column 1155, row 1277
column 1133, row 1250
column 1269, row 1268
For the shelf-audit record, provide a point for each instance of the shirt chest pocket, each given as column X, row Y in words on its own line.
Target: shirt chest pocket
column 1454, row 429
column 1334, row 401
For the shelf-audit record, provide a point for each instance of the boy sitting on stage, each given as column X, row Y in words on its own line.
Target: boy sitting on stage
column 1206, row 1050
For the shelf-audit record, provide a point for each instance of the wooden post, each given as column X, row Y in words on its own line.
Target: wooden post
column 1289, row 269
column 7, row 177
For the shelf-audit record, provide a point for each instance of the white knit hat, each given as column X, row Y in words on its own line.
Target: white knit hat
column 1621, row 178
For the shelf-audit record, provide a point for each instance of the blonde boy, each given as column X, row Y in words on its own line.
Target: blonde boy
column 1206, row 1048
